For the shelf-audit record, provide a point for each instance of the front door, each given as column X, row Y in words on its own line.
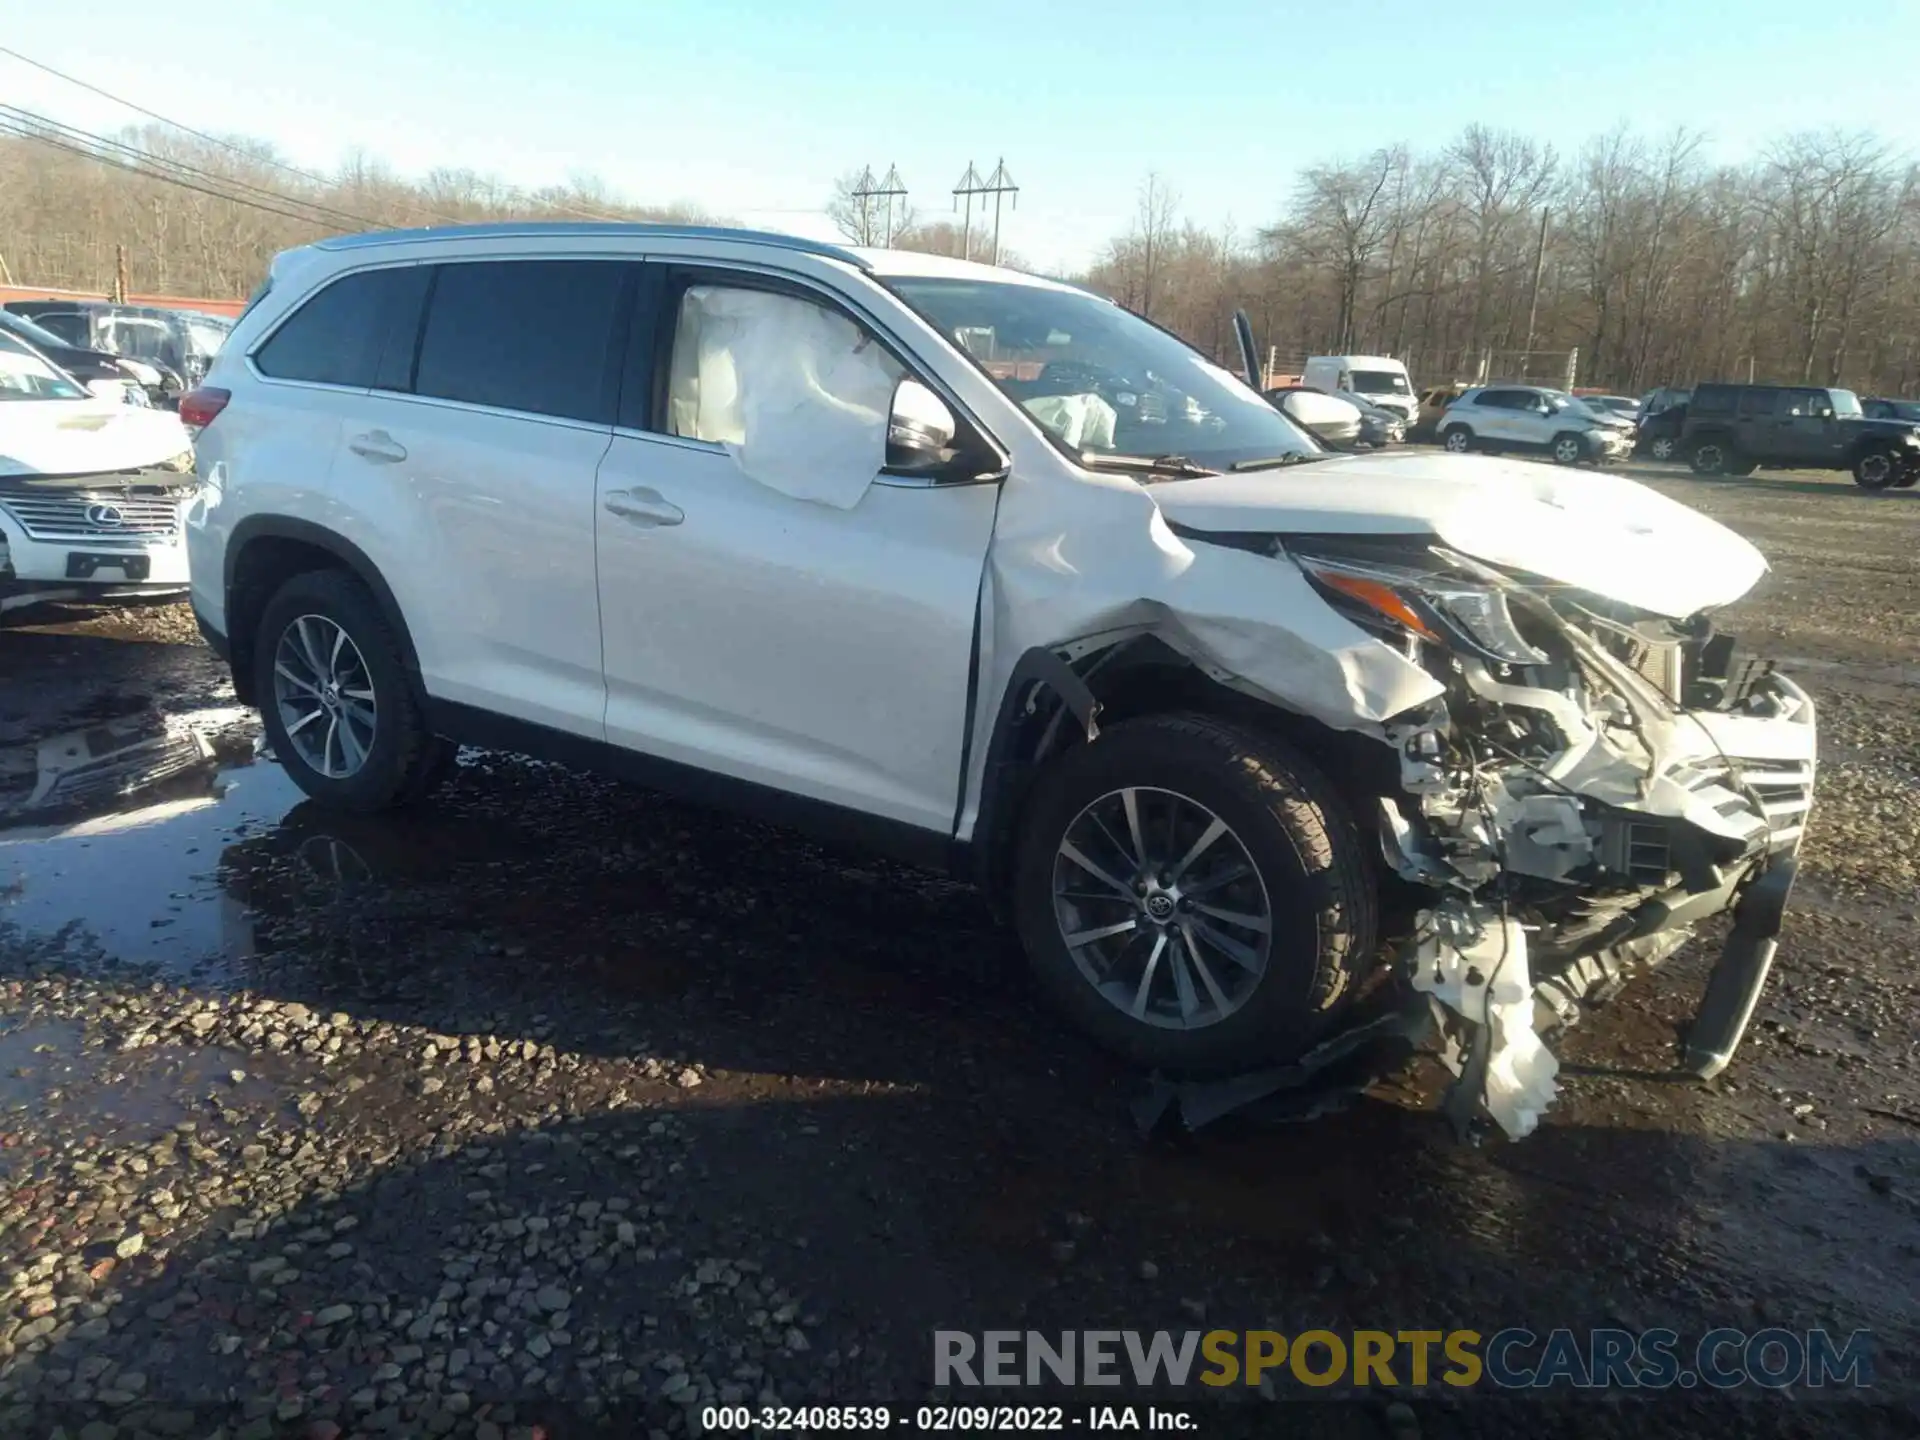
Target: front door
column 818, row 646
column 1809, row 435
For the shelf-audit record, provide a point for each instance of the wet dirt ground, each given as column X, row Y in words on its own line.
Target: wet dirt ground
column 558, row 1103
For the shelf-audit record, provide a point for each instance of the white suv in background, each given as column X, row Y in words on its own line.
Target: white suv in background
column 871, row 543
column 1528, row 417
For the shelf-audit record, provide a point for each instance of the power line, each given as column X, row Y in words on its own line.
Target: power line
column 161, row 166
column 516, row 195
column 227, row 145
column 20, row 132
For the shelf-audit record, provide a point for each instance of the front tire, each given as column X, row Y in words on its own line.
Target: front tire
column 336, row 701
column 1662, row 448
column 1568, row 449
column 1457, row 439
column 1193, row 895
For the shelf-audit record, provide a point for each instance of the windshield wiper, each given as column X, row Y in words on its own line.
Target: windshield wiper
column 1274, row 462
column 1178, row 465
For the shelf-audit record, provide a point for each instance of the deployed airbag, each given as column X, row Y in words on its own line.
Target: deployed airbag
column 798, row 394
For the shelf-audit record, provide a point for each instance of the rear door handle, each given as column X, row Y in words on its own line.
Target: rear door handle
column 379, row 447
column 644, row 507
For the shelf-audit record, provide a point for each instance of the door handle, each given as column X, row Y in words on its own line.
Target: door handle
column 643, row 507
column 378, row 446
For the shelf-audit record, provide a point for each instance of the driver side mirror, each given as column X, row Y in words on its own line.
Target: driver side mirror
column 920, row 429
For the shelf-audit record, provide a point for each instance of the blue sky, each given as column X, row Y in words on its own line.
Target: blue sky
column 750, row 108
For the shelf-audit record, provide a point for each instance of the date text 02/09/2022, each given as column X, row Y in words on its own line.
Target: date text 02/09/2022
column 957, row 1419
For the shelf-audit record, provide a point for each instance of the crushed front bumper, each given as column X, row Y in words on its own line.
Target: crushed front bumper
column 1555, row 882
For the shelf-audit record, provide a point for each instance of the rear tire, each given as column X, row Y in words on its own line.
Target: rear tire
column 1307, row 874
column 1710, row 457
column 1876, row 469
column 336, row 700
column 1457, row 439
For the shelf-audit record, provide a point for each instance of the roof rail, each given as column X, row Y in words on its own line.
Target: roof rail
column 512, row 229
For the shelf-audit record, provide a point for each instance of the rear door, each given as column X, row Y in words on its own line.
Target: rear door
column 817, row 649
column 1495, row 416
column 469, row 472
column 1761, row 430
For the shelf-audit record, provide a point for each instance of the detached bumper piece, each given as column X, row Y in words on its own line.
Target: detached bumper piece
column 1733, row 990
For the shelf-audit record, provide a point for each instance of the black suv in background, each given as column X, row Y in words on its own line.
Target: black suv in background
column 1736, row 429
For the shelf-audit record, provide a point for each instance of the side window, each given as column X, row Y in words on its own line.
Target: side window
column 337, row 336
column 745, row 357
column 532, row 335
column 1807, row 402
column 1493, row 399
column 1757, row 403
column 69, row 327
column 1713, row 400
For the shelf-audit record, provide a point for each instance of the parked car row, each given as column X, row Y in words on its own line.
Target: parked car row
column 166, row 351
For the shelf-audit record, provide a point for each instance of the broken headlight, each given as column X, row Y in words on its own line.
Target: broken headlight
column 1437, row 607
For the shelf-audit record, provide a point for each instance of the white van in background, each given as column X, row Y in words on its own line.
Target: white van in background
column 1377, row 379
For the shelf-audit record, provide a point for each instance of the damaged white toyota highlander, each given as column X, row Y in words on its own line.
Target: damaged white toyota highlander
column 1259, row 747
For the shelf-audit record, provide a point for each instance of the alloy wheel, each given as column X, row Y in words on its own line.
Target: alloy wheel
column 1457, row 441
column 1566, row 451
column 1162, row 908
column 1662, row 449
column 1875, row 470
column 325, row 698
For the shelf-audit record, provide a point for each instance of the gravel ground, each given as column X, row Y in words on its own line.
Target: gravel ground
column 561, row 1108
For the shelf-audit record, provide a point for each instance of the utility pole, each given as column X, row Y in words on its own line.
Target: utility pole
column 970, row 185
column 867, row 190
column 1539, row 262
column 999, row 185
column 120, row 274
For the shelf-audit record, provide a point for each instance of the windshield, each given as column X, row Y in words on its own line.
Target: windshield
column 1100, row 380
column 1845, row 402
column 1381, row 382
column 25, row 376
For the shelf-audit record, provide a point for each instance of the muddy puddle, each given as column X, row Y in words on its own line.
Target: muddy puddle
column 48, row 1071
column 519, row 884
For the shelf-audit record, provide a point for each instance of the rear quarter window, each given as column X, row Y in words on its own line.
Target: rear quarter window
column 338, row 335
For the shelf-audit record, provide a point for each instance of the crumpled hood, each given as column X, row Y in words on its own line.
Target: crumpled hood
column 85, row 437
column 1584, row 528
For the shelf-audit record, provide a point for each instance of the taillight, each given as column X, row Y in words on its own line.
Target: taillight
column 199, row 407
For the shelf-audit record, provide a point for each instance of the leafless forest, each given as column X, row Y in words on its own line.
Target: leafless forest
column 1656, row 263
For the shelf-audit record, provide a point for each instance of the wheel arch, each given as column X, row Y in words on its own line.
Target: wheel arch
column 263, row 552
column 1053, row 703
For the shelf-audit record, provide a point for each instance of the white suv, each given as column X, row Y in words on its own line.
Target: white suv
column 874, row 543
column 1527, row 417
